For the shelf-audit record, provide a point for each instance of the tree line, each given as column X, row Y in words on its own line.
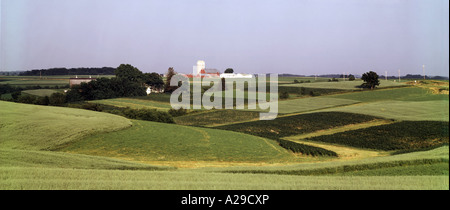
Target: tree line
column 129, row 82
column 70, row 71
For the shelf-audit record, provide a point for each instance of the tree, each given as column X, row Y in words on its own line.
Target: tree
column 169, row 75
column 57, row 99
column 153, row 79
column 129, row 72
column 371, row 80
column 284, row 95
column 351, row 77
column 229, row 71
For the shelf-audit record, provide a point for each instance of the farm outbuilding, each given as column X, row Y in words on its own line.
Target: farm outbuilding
column 78, row 81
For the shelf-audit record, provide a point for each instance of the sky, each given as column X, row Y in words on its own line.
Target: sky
column 304, row 37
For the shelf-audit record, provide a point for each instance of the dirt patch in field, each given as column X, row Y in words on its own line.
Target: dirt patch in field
column 436, row 87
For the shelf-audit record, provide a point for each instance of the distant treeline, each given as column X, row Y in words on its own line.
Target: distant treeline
column 71, row 71
column 416, row 76
column 408, row 76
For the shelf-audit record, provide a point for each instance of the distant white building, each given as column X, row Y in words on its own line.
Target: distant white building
column 233, row 75
column 78, row 81
column 200, row 70
column 151, row 89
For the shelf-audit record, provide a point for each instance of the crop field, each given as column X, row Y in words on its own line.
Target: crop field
column 134, row 103
column 398, row 94
column 216, row 118
column 394, row 137
column 297, row 124
column 436, row 110
column 40, row 92
column 24, row 81
column 343, row 85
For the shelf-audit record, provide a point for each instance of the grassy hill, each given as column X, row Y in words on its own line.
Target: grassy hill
column 152, row 142
column 344, row 85
column 43, row 147
column 24, row 126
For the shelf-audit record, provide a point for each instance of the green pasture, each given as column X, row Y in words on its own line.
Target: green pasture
column 344, row 85
column 24, row 126
column 151, row 141
column 398, row 94
column 289, row 80
column 41, row 92
column 134, row 103
column 426, row 170
column 420, row 160
column 51, row 159
column 58, row 80
column 310, row 104
column 436, row 110
column 54, row 148
column 96, row 179
column 216, row 117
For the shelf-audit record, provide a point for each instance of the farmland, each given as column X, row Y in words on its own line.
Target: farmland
column 153, row 142
column 395, row 137
column 345, row 85
column 134, row 103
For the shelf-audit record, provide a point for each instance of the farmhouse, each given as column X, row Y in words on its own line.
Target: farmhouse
column 78, row 81
column 154, row 89
column 200, row 70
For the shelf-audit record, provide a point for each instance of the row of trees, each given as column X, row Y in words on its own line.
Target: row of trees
column 71, row 71
column 129, row 82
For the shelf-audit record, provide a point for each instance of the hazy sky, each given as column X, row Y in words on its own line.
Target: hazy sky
column 251, row 36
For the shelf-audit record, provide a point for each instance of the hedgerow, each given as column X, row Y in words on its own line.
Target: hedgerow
column 305, row 149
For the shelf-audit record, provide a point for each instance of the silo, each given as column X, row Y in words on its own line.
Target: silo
column 200, row 66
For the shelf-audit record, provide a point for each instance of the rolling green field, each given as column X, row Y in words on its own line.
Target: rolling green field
column 152, row 142
column 134, row 103
column 343, row 85
column 398, row 94
column 60, row 80
column 216, row 118
column 436, row 110
column 45, row 147
column 35, row 127
column 40, row 92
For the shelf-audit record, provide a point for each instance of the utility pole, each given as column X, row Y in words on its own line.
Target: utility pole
column 423, row 70
column 385, row 75
column 399, row 79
